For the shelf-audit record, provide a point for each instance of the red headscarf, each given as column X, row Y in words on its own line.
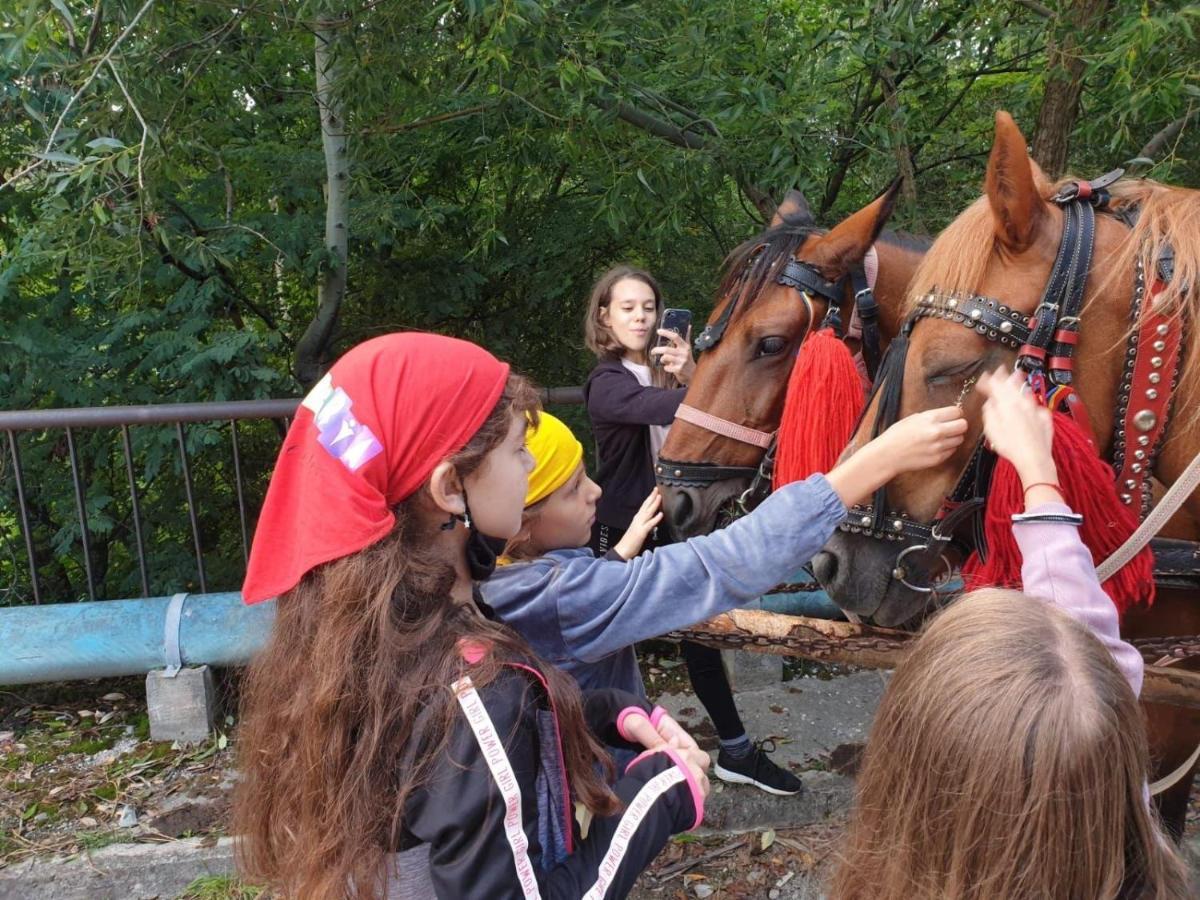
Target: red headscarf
column 365, row 438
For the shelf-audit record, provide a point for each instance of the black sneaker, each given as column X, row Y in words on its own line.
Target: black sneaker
column 757, row 770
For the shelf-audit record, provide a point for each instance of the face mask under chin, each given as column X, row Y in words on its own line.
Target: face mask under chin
column 482, row 549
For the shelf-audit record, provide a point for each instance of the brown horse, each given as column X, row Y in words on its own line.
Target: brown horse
column 1000, row 251
column 743, row 377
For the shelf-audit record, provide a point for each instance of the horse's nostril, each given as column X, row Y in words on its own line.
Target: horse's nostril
column 679, row 510
column 825, row 567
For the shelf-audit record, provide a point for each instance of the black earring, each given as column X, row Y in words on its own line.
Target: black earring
column 449, row 524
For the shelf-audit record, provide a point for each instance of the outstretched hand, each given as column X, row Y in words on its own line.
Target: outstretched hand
column 1017, row 427
column 922, row 440
column 645, row 520
column 916, row 442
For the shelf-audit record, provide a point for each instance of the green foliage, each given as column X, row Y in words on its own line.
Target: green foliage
column 220, row 887
column 164, row 230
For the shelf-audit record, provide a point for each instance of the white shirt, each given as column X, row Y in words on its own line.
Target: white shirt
column 658, row 433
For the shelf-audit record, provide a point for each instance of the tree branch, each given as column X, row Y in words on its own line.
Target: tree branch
column 657, row 127
column 96, row 71
column 145, row 129
column 958, row 157
column 688, row 140
column 1040, row 8
column 94, row 31
column 75, row 97
column 317, row 337
column 1155, row 145
column 429, row 120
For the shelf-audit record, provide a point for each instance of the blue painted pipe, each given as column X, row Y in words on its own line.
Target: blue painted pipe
column 64, row 641
column 814, row 604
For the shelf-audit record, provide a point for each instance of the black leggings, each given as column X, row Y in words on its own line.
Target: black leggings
column 704, row 665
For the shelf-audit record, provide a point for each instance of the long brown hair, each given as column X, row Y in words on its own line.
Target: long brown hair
column 361, row 648
column 1008, row 759
column 599, row 338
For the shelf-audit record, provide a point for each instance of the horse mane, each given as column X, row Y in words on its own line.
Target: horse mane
column 1167, row 217
column 757, row 262
column 958, row 257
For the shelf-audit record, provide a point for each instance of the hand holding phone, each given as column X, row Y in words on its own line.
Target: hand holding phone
column 676, row 320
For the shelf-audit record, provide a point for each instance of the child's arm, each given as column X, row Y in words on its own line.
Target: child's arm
column 1055, row 564
column 602, row 606
column 615, row 396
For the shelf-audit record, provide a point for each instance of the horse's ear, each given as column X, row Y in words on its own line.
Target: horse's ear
column 848, row 242
column 793, row 210
column 1012, row 187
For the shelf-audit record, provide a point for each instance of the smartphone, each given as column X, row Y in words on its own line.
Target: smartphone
column 676, row 320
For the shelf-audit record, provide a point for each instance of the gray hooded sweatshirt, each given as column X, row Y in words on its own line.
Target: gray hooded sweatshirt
column 584, row 614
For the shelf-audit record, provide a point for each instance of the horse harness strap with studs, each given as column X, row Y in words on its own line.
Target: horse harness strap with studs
column 1152, row 362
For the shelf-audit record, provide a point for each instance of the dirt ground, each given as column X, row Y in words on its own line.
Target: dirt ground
column 78, row 772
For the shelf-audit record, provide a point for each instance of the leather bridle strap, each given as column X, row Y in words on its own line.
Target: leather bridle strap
column 808, row 280
column 723, row 427
column 735, row 430
column 862, row 282
column 681, row 474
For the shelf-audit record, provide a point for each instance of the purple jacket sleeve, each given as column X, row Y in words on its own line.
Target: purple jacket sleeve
column 1056, row 566
column 616, row 397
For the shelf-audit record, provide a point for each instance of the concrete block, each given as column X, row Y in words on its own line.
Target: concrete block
column 121, row 872
column 752, row 671
column 181, row 708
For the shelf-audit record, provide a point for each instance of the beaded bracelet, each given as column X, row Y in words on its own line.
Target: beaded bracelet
column 1049, row 484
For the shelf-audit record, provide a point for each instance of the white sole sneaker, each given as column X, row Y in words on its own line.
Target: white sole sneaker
column 738, row 778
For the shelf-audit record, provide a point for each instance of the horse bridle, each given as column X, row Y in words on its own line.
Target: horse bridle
column 809, row 283
column 1044, row 343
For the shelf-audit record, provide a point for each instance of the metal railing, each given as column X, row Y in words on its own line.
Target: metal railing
column 13, row 423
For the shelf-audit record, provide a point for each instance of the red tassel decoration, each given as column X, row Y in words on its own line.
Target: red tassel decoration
column 1088, row 488
column 824, row 400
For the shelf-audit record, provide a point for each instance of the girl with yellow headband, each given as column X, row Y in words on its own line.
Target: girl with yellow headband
column 584, row 613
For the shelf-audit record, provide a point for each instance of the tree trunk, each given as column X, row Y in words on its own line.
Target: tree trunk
column 902, row 152
column 314, row 344
column 1065, row 65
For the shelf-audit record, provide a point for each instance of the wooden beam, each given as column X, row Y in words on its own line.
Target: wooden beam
column 759, row 631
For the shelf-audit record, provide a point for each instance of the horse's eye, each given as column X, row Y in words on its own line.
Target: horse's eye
column 769, row 346
column 952, row 373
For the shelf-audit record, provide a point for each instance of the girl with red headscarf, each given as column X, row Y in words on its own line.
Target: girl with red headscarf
column 396, row 740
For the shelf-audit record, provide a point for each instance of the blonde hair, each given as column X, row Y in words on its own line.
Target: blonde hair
column 1008, row 759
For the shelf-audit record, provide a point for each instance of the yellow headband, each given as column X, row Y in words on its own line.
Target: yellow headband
column 556, row 455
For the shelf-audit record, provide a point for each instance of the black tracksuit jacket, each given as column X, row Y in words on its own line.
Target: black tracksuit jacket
column 500, row 789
